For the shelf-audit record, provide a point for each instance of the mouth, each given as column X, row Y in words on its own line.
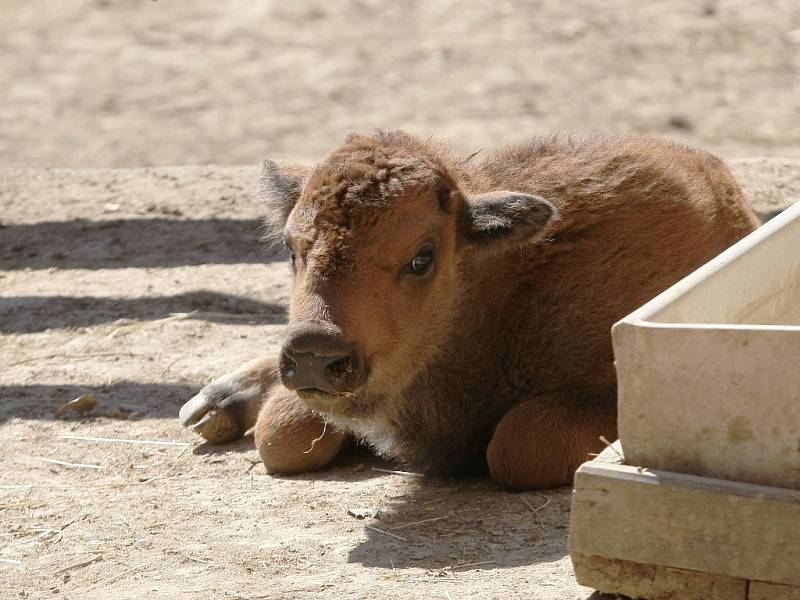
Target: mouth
column 322, row 400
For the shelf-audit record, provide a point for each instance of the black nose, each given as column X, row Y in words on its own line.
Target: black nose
column 317, row 357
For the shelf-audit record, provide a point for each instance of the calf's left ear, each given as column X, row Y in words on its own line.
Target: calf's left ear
column 279, row 187
column 507, row 217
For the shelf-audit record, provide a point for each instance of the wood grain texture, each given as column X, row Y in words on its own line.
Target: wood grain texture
column 653, row 582
column 760, row 590
column 682, row 521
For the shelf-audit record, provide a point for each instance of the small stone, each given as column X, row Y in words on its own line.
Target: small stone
column 574, row 28
column 680, row 122
column 143, row 544
column 118, row 412
column 81, row 405
column 363, row 513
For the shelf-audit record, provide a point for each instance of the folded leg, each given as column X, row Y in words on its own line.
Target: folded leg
column 291, row 438
column 540, row 442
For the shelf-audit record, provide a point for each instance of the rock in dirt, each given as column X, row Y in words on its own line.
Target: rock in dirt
column 81, row 405
column 364, row 513
column 119, row 412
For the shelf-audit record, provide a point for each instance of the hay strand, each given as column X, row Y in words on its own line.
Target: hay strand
column 384, row 532
column 84, row 438
column 63, row 463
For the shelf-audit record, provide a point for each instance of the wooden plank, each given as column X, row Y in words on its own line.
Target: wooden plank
column 669, row 519
column 653, row 582
column 761, row 590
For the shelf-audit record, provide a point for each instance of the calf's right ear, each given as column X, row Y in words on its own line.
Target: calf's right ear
column 279, row 187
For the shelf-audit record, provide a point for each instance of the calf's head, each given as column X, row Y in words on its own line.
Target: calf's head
column 381, row 236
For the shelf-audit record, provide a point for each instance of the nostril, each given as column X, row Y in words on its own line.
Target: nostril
column 290, row 368
column 340, row 368
column 288, row 364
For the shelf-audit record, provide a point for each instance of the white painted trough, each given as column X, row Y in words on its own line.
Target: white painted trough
column 705, row 502
column 709, row 371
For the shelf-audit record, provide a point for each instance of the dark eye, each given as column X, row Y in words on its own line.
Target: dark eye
column 292, row 257
column 421, row 262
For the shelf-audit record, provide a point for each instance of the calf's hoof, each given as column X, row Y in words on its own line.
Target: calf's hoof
column 216, row 426
column 228, row 406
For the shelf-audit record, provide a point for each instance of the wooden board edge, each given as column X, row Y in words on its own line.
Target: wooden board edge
column 761, row 590
column 637, row 580
column 623, row 513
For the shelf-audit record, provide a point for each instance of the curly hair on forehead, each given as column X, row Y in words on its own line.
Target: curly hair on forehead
column 388, row 142
column 352, row 186
column 370, row 169
column 367, row 172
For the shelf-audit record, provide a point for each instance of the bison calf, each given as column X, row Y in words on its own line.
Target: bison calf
column 455, row 313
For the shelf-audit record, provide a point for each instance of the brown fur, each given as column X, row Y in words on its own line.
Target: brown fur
column 501, row 356
column 291, row 438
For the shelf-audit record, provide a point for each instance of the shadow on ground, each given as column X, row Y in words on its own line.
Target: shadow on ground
column 354, row 463
column 243, row 444
column 443, row 526
column 28, row 314
column 446, row 526
column 440, row 524
column 138, row 399
column 86, row 244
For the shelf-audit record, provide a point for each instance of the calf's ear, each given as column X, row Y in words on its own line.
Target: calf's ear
column 503, row 217
column 279, row 187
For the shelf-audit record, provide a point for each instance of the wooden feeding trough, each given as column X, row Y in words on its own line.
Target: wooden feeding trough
column 700, row 499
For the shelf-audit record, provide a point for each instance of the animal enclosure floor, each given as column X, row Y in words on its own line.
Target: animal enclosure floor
column 139, row 286
column 109, row 287
column 99, row 270
column 109, row 83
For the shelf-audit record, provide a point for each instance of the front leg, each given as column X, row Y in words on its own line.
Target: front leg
column 227, row 407
column 291, row 438
column 542, row 441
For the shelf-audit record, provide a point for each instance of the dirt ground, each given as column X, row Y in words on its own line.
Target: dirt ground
column 110, row 83
column 141, row 285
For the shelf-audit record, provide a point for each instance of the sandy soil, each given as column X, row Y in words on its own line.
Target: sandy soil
column 92, row 83
column 95, row 299
column 139, row 286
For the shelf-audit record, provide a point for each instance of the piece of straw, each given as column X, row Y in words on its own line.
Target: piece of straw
column 402, row 539
column 69, row 464
column 84, row 438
